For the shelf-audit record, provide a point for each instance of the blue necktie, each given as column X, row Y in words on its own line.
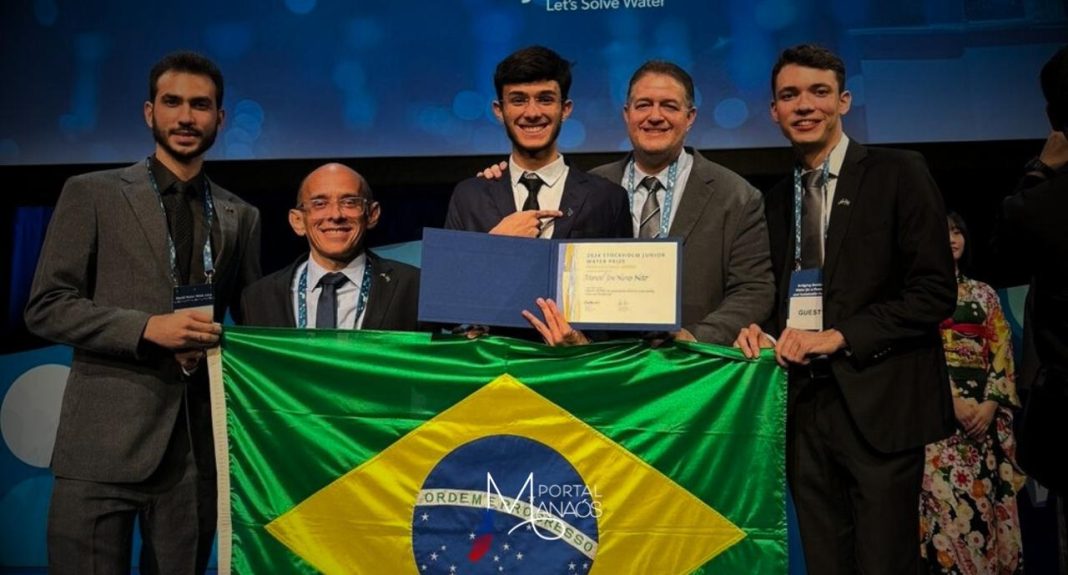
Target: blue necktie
column 326, row 312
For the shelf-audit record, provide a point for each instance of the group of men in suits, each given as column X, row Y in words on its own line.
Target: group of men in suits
column 867, row 383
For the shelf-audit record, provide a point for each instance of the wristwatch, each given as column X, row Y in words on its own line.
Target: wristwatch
column 1037, row 166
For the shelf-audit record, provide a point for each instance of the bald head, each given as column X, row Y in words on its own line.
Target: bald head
column 334, row 175
column 334, row 209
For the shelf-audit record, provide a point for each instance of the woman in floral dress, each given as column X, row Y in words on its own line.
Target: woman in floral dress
column 968, row 515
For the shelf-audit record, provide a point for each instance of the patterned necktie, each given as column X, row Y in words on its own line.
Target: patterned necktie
column 649, row 223
column 177, row 203
column 533, row 183
column 812, row 220
column 326, row 312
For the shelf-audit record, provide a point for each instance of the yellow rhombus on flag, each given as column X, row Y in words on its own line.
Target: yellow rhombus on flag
column 363, row 521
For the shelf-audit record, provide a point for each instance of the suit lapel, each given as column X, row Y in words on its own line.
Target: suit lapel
column 381, row 294
column 570, row 203
column 845, row 199
column 697, row 193
column 145, row 203
column 224, row 240
column 501, row 195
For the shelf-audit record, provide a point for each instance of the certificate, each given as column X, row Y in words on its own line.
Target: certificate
column 477, row 278
column 625, row 282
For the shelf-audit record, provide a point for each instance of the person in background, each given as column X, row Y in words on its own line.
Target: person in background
column 969, row 522
column 1032, row 230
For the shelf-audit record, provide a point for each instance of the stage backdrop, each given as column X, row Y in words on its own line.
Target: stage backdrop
column 311, row 79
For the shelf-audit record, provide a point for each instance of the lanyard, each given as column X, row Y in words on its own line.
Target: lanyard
column 825, row 214
column 669, row 194
column 209, row 216
column 302, row 295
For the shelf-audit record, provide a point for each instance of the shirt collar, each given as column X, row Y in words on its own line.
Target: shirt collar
column 353, row 271
column 549, row 173
column 166, row 179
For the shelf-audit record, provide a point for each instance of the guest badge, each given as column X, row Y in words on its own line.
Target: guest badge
column 806, row 300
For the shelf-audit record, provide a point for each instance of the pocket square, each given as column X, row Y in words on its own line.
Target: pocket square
column 843, row 202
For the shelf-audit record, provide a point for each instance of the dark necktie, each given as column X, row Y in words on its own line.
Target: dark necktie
column 649, row 222
column 533, row 183
column 812, row 220
column 178, row 202
column 326, row 312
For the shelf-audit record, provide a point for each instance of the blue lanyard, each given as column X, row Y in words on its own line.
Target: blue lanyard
column 669, row 194
column 797, row 209
column 302, row 295
column 209, row 216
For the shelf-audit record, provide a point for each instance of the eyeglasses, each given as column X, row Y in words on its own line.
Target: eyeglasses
column 355, row 205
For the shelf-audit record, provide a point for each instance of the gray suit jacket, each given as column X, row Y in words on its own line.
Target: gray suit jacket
column 727, row 282
column 103, row 270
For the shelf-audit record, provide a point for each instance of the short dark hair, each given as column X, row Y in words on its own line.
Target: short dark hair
column 666, row 68
column 810, row 56
column 1054, row 80
column 532, row 64
column 190, row 63
column 966, row 256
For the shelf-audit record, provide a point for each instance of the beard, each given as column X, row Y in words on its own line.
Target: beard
column 207, row 139
column 533, row 152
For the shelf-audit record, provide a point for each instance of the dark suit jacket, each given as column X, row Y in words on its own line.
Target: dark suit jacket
column 103, row 270
column 1034, row 230
column 392, row 304
column 888, row 282
column 727, row 282
column 593, row 207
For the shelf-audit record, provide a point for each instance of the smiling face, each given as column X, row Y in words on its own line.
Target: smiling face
column 184, row 117
column 532, row 115
column 333, row 214
column 658, row 116
column 808, row 107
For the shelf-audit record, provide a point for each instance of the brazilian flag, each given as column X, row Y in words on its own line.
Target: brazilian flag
column 389, row 453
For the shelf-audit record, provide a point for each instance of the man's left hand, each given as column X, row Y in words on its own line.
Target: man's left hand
column 798, row 346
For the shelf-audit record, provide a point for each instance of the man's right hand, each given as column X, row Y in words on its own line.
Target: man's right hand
column 751, row 339
column 182, row 330
column 526, row 224
column 494, row 172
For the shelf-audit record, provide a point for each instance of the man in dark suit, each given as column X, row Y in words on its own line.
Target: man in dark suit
column 1033, row 231
column 539, row 195
column 726, row 276
column 123, row 248
column 335, row 208
column 872, row 278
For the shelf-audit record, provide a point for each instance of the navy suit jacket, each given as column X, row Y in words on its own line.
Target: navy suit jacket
column 593, row 207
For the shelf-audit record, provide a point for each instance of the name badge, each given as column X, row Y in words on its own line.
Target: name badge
column 194, row 298
column 806, row 300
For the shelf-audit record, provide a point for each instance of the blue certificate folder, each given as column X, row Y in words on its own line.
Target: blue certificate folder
column 478, row 278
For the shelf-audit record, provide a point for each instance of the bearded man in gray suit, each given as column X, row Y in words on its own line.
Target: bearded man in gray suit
column 125, row 251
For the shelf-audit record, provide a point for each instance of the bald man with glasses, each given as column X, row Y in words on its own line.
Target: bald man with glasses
column 338, row 284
